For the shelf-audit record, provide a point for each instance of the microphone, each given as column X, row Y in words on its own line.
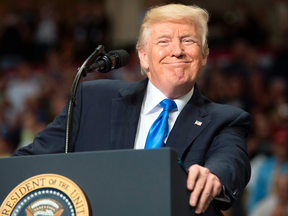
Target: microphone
column 109, row 61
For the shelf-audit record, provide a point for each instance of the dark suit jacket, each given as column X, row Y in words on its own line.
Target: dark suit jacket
column 106, row 117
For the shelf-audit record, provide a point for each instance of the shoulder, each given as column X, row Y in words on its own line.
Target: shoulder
column 105, row 84
column 225, row 112
column 269, row 162
column 104, row 88
column 227, row 119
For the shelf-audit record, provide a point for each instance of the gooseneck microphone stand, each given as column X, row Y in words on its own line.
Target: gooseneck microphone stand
column 82, row 72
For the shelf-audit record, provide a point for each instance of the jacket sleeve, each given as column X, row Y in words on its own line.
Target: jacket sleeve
column 227, row 158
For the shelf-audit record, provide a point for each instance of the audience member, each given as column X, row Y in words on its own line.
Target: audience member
column 271, row 168
column 275, row 204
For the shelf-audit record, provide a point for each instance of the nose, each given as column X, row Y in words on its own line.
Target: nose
column 176, row 49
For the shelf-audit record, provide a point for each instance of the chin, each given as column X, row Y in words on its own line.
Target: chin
column 179, row 78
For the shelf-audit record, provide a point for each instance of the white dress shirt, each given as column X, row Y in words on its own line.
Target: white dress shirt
column 151, row 109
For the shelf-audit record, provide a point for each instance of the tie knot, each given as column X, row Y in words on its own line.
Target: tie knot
column 168, row 105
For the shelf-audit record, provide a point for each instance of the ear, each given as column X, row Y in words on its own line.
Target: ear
column 204, row 60
column 205, row 56
column 143, row 58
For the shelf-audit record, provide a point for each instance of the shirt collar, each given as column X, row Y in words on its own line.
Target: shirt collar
column 156, row 96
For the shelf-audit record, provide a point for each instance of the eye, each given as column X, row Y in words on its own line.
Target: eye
column 189, row 41
column 162, row 42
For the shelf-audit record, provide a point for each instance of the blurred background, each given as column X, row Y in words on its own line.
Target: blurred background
column 42, row 43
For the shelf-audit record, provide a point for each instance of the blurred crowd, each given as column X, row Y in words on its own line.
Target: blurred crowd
column 41, row 47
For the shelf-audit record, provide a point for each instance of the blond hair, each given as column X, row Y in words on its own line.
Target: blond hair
column 172, row 12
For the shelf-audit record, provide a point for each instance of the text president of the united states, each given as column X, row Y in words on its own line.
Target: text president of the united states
column 208, row 137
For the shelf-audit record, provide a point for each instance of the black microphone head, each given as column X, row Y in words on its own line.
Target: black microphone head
column 121, row 57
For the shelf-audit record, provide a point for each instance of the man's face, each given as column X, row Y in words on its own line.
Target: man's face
column 173, row 57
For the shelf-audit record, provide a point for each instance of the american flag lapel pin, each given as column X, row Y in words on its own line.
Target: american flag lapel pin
column 198, row 123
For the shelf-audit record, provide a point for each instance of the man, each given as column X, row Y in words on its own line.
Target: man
column 209, row 138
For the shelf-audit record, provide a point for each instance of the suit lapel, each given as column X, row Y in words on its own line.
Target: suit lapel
column 125, row 115
column 189, row 124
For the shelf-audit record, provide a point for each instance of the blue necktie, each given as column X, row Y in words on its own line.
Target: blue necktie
column 160, row 128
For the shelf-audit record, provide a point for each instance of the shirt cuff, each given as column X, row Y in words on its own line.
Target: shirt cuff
column 223, row 196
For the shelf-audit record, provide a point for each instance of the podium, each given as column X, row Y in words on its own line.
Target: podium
column 119, row 182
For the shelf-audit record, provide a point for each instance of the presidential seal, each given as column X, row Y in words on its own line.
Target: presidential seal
column 45, row 195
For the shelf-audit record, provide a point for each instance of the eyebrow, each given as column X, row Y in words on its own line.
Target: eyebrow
column 187, row 34
column 163, row 36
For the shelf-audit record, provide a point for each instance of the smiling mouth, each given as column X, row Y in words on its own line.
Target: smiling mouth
column 175, row 63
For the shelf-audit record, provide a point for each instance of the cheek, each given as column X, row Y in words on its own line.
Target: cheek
column 195, row 53
column 160, row 54
column 163, row 52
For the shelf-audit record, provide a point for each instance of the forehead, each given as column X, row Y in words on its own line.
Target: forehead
column 180, row 27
